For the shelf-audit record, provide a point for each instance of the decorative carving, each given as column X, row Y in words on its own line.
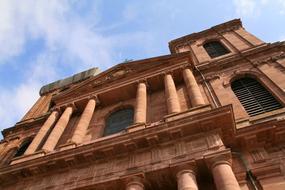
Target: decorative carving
column 185, row 44
column 239, row 73
column 213, row 77
column 118, row 73
column 214, row 141
column 269, row 59
column 132, row 161
column 180, row 149
column 210, row 38
column 218, row 157
column 183, row 166
column 258, row 155
column 229, row 29
column 155, row 155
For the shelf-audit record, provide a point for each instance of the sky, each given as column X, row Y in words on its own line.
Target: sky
column 47, row 40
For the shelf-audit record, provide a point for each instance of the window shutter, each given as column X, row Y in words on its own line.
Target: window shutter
column 215, row 49
column 254, row 97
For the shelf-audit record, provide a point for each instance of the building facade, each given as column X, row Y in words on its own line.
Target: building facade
column 210, row 115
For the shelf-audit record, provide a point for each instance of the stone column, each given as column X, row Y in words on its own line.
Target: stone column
column 58, row 129
column 141, row 104
column 223, row 176
column 186, row 180
column 193, row 89
column 135, row 184
column 42, row 132
column 172, row 100
column 84, row 122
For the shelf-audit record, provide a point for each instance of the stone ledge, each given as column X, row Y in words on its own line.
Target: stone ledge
column 113, row 145
column 192, row 111
column 27, row 157
column 136, row 127
column 67, row 146
column 278, row 115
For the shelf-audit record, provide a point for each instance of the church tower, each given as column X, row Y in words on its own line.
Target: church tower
column 210, row 115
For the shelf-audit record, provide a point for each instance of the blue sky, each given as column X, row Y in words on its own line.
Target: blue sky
column 43, row 41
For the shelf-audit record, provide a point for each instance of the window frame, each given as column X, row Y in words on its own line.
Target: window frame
column 113, row 114
column 215, row 53
column 255, row 95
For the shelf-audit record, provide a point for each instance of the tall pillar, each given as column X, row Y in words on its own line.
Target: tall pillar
column 42, row 132
column 186, row 180
column 223, row 174
column 193, row 89
column 135, row 184
column 84, row 121
column 173, row 105
column 141, row 104
column 58, row 129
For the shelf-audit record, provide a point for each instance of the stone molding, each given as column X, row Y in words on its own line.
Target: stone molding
column 231, row 59
column 96, row 150
column 184, row 166
column 220, row 157
column 222, row 28
column 240, row 73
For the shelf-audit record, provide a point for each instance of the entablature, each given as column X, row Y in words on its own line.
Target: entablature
column 222, row 28
column 213, row 69
column 123, row 86
column 189, row 124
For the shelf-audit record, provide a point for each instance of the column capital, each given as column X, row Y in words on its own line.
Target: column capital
column 94, row 97
column 56, row 109
column 135, row 179
column 72, row 105
column 170, row 72
column 180, row 168
column 142, row 81
column 224, row 157
column 61, row 108
column 186, row 66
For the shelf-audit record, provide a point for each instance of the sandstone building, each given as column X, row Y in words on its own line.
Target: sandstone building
column 210, row 115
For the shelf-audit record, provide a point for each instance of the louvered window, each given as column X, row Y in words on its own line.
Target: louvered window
column 215, row 49
column 118, row 121
column 254, row 97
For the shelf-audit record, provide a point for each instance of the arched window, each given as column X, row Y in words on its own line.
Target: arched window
column 23, row 148
column 118, row 121
column 215, row 49
column 254, row 97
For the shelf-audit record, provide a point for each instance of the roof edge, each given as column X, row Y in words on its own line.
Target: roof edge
column 192, row 36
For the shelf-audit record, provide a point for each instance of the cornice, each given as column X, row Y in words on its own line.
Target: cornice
column 113, row 145
column 120, row 77
column 22, row 125
column 231, row 60
column 222, row 28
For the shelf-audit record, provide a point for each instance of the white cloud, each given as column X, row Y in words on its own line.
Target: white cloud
column 253, row 8
column 15, row 101
column 53, row 21
column 70, row 40
column 245, row 7
column 282, row 6
column 282, row 38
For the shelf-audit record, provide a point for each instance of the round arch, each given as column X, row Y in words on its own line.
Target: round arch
column 118, row 119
